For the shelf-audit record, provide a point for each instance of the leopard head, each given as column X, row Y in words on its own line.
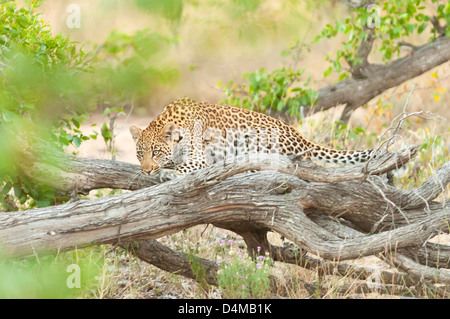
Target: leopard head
column 154, row 147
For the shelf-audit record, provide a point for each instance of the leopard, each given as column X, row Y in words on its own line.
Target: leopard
column 190, row 135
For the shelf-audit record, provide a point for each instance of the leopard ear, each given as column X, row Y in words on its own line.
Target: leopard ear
column 170, row 133
column 136, row 132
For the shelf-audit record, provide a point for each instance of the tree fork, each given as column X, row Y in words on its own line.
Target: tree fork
column 371, row 80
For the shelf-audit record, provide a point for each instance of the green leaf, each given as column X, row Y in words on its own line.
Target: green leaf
column 6, row 188
column 422, row 27
column 281, row 105
column 327, row 72
column 43, row 203
column 285, row 53
column 343, row 76
column 17, row 190
column 337, row 65
column 23, row 199
column 359, row 130
column 76, row 123
column 76, row 141
column 106, row 132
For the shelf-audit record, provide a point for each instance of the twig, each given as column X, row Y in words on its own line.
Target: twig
column 401, row 118
column 407, row 44
column 284, row 183
column 388, row 200
column 441, row 30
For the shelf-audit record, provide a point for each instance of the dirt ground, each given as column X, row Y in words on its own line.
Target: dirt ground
column 125, row 146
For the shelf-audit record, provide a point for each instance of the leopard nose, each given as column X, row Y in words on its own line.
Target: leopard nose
column 150, row 171
column 148, row 165
column 147, row 169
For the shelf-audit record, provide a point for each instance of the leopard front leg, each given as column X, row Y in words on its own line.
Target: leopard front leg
column 168, row 174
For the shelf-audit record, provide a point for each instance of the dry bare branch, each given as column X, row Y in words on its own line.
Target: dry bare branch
column 283, row 195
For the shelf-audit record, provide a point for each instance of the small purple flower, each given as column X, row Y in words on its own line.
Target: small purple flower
column 258, row 248
column 222, row 241
column 260, row 257
column 217, row 262
column 258, row 265
column 243, row 286
column 230, row 241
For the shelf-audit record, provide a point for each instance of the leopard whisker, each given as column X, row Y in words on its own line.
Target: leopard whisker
column 137, row 175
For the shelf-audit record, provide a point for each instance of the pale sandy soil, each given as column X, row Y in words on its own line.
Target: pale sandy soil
column 125, row 146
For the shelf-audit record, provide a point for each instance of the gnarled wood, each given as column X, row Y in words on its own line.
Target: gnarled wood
column 373, row 79
column 285, row 196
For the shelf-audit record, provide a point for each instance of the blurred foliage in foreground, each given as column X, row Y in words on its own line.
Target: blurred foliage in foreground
column 48, row 84
column 66, row 275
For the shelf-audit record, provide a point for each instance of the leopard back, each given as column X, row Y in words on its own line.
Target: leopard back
column 190, row 135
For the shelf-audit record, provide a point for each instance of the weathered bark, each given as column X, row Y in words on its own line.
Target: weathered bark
column 173, row 261
column 217, row 190
column 285, row 196
column 71, row 174
column 373, row 79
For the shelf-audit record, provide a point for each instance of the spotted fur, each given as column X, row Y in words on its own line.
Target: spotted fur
column 189, row 135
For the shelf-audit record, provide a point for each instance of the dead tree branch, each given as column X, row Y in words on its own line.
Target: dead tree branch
column 373, row 79
column 220, row 191
column 288, row 196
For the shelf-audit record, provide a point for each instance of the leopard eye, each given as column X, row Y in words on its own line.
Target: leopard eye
column 156, row 152
column 140, row 154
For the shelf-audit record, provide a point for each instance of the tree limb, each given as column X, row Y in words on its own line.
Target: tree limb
column 220, row 196
column 358, row 91
column 283, row 195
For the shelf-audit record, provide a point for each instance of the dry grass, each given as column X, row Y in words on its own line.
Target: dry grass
column 125, row 276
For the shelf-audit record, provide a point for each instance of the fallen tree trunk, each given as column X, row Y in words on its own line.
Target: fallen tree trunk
column 264, row 186
column 285, row 197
